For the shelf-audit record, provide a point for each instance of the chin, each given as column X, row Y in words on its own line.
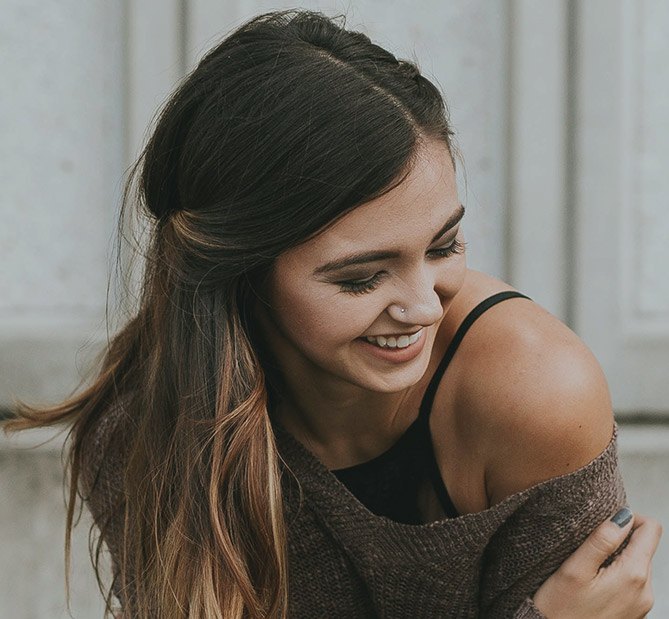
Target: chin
column 389, row 386
column 397, row 380
column 395, row 388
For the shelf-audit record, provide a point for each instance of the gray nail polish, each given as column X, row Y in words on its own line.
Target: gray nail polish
column 622, row 517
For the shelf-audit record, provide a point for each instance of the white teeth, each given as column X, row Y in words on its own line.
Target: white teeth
column 395, row 342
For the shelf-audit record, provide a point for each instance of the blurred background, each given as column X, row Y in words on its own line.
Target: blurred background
column 560, row 109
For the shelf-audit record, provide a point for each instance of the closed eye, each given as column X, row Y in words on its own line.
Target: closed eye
column 454, row 247
column 360, row 286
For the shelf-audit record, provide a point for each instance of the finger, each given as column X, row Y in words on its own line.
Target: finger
column 644, row 541
column 601, row 544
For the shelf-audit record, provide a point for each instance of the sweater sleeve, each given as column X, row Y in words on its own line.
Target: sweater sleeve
column 548, row 526
column 527, row 610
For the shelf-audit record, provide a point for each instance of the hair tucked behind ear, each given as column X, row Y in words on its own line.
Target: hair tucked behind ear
column 285, row 126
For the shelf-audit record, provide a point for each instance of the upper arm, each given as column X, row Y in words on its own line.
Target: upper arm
column 537, row 395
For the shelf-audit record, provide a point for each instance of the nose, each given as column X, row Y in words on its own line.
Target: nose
column 421, row 303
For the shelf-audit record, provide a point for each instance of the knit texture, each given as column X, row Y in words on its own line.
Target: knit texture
column 346, row 562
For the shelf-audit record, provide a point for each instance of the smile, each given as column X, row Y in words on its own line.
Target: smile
column 401, row 341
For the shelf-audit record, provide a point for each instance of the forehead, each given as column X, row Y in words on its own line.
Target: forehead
column 409, row 213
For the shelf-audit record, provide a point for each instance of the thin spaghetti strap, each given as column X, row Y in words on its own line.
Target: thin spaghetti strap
column 486, row 304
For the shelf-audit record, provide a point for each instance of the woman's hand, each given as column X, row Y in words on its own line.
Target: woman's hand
column 582, row 589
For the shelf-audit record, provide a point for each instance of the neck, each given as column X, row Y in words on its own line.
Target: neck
column 343, row 424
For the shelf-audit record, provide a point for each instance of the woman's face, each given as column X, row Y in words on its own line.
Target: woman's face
column 328, row 295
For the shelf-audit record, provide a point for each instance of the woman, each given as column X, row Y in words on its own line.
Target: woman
column 274, row 433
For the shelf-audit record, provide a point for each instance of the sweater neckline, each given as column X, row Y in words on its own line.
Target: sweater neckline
column 331, row 496
column 333, row 501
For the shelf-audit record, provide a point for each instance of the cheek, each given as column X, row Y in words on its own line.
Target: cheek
column 453, row 277
column 458, row 277
column 316, row 320
column 450, row 281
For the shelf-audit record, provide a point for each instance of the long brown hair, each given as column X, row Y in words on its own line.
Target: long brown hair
column 285, row 126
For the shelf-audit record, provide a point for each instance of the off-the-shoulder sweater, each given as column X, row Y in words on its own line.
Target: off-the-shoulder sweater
column 346, row 562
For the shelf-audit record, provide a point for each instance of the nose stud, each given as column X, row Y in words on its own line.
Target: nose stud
column 397, row 312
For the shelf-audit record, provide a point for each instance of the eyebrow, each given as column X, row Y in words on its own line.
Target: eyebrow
column 376, row 256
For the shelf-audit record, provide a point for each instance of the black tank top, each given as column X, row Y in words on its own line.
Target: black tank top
column 389, row 484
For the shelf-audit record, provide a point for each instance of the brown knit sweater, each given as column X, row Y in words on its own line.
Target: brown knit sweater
column 346, row 562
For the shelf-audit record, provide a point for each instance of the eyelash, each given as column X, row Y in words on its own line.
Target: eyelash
column 367, row 285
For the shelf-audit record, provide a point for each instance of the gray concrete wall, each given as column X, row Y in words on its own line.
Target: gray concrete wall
column 61, row 147
column 82, row 80
column 32, row 571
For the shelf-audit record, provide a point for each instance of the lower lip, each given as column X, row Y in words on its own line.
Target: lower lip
column 395, row 355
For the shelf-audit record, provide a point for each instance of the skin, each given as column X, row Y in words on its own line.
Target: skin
column 523, row 399
column 313, row 326
column 544, row 408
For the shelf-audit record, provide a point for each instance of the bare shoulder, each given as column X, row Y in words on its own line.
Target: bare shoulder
column 529, row 389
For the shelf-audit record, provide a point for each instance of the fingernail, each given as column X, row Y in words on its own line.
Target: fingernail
column 622, row 517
